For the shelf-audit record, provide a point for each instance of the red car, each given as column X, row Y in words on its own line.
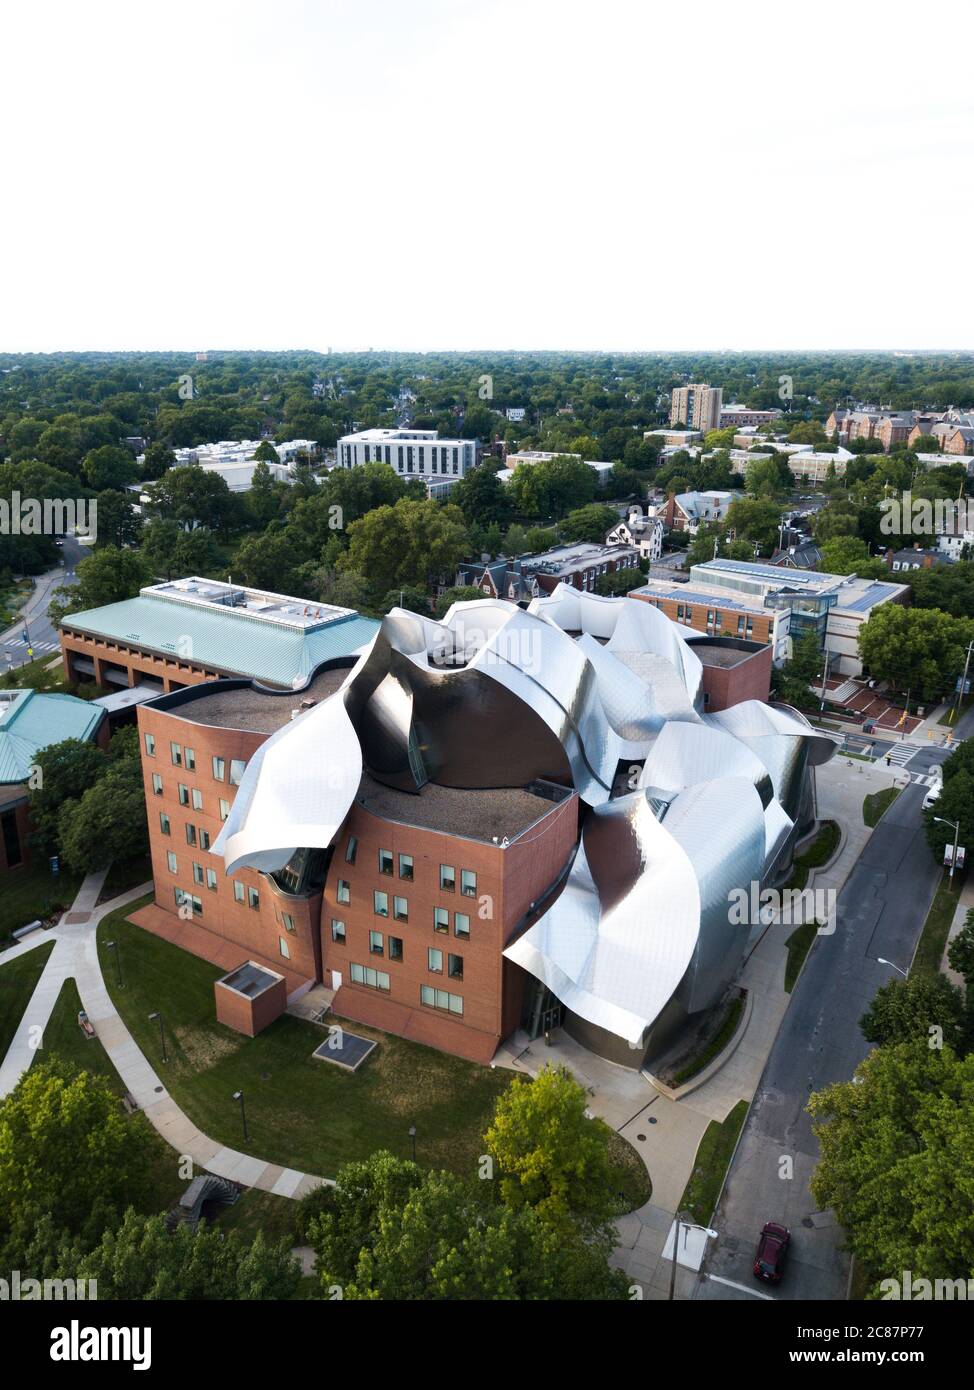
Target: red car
column 769, row 1258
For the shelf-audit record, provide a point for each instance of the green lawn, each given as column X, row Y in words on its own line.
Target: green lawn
column 798, row 946
column 63, row 1038
column 713, row 1156
column 930, row 948
column 876, row 803
column 125, row 874
column 302, row 1113
column 629, row 1177
column 33, row 892
column 18, row 979
column 819, row 852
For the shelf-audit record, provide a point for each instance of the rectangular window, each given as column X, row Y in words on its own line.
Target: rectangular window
column 239, row 892
column 164, row 823
column 395, row 948
column 191, row 834
column 157, row 784
column 350, row 849
column 380, row 903
column 448, row 878
column 461, row 925
column 400, row 909
column 189, row 759
column 197, row 796
column 237, row 769
column 150, row 745
column 284, row 948
column 434, row 960
column 468, row 883
column 365, row 975
column 183, row 794
column 406, row 867
column 337, row 930
column 176, row 753
column 344, row 892
column 385, row 861
column 441, row 919
column 219, row 769
column 204, row 839
column 211, row 880
column 288, row 921
column 253, row 899
column 440, row 999
column 197, row 873
column 171, row 861
column 224, row 808
column 455, row 967
column 375, row 943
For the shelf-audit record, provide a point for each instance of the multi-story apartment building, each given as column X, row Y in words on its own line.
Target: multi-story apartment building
column 528, row 576
column 191, row 630
column 697, row 405
column 805, row 463
column 439, row 463
column 740, row 415
column 405, row 920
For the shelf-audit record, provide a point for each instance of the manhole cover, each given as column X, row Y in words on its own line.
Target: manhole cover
column 641, row 1138
column 652, row 1119
column 158, row 1089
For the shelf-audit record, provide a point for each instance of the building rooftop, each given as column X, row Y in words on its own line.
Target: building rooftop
column 241, row 631
column 31, row 721
column 246, row 707
column 482, row 813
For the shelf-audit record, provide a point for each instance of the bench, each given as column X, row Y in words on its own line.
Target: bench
column 21, row 932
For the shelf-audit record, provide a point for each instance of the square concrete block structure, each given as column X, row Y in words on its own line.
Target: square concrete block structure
column 250, row 997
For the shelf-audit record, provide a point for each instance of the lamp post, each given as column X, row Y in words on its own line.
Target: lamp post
column 682, row 1221
column 113, row 946
column 881, row 960
column 162, row 1033
column 239, row 1095
column 412, row 1135
column 955, row 826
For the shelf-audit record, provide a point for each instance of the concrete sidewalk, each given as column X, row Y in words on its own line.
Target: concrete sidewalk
column 75, row 956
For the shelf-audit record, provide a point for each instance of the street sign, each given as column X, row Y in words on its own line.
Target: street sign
column 55, row 865
column 949, row 853
column 963, row 687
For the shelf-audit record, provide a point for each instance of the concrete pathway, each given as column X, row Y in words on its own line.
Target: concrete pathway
column 75, row 956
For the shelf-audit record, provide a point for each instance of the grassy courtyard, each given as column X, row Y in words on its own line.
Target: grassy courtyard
column 18, row 980
column 300, row 1112
column 34, row 892
column 876, row 803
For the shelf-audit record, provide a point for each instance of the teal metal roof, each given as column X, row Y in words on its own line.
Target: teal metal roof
column 31, row 721
column 226, row 638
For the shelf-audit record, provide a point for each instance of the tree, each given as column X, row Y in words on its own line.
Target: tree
column 109, row 575
column 763, row 478
column 618, row 582
column 194, row 497
column 960, row 952
column 66, row 1146
column 117, row 522
column 171, row 550
column 143, row 1260
column 269, row 561
column 516, row 541
column 461, row 593
column 262, row 500
column 756, row 520
column 411, row 543
column 850, row 555
column 64, row 772
column 108, row 822
column 907, row 1010
column 897, row 1160
column 482, row 497
column 155, row 461
column 590, row 523
column 918, row 649
column 110, row 466
column 955, row 803
column 549, row 1154
column 266, row 453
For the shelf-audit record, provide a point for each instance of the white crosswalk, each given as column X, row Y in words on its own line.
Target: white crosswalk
column 923, row 780
column 901, row 755
column 36, row 646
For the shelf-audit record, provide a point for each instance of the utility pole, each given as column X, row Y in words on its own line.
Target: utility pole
column 825, row 676
column 963, row 683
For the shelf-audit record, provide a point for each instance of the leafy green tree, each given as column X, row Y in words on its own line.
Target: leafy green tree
column 118, row 523
column 110, row 466
column 66, row 1146
column 549, row 1154
column 960, row 952
column 109, row 575
column 460, row 593
column 897, row 1161
column 482, row 497
column 411, row 543
column 142, row 1260
column 263, row 499
column 590, row 523
column 955, row 803
column 907, row 1010
column 516, row 541
column 108, row 822
column 157, row 458
column 64, row 772
column 756, row 520
column 850, row 555
column 918, row 649
column 618, row 582
column 266, row 453
column 194, row 497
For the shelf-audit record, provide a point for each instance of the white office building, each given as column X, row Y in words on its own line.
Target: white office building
column 439, row 463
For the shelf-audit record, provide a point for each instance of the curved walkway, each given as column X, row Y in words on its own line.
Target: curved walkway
column 75, row 955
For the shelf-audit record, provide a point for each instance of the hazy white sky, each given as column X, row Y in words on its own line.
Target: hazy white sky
column 485, row 173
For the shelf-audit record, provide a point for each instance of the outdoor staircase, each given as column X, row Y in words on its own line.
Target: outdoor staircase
column 206, row 1188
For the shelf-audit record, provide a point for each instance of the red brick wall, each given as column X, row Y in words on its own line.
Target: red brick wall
column 249, row 1016
column 750, row 680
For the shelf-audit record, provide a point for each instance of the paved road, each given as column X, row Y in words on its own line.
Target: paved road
column 33, row 628
column 881, row 911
